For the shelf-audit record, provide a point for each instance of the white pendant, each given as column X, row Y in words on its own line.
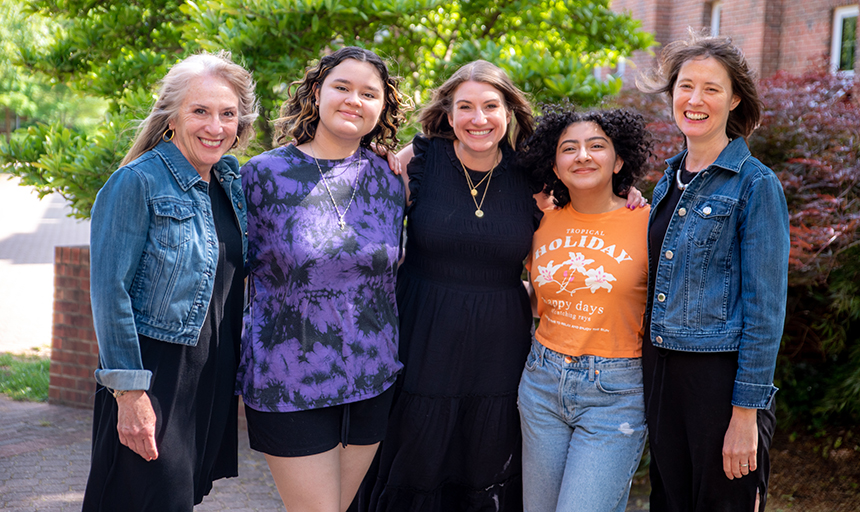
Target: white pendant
column 479, row 213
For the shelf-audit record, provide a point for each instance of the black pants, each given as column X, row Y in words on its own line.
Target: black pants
column 688, row 407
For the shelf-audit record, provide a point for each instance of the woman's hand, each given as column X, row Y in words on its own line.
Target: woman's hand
column 635, row 199
column 136, row 424
column 391, row 156
column 740, row 446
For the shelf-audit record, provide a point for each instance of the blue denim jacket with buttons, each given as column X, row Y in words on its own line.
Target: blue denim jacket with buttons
column 153, row 255
column 722, row 273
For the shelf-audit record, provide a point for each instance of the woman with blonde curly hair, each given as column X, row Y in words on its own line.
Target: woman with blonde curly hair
column 167, row 257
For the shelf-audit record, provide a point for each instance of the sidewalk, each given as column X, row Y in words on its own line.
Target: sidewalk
column 45, row 449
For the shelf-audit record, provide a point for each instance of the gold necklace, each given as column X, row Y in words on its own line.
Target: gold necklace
column 340, row 216
column 473, row 189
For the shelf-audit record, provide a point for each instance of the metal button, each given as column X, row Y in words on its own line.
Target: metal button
column 682, row 212
column 240, row 206
column 706, row 210
column 659, row 339
column 670, row 255
column 568, row 359
column 661, row 297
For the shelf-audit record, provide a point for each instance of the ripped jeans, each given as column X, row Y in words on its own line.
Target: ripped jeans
column 583, row 423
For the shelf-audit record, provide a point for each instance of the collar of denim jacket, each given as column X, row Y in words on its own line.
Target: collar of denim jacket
column 731, row 158
column 183, row 172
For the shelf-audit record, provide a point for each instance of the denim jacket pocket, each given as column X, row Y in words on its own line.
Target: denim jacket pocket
column 620, row 381
column 711, row 215
column 173, row 221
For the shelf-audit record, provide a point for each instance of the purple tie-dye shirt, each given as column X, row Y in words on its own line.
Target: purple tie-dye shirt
column 321, row 328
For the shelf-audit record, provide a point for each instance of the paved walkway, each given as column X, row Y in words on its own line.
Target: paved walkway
column 45, row 449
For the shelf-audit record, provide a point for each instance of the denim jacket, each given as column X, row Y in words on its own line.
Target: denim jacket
column 722, row 275
column 153, row 255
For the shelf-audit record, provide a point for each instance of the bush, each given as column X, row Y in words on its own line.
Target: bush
column 809, row 137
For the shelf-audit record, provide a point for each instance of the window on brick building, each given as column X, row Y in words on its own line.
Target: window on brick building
column 843, row 51
column 716, row 11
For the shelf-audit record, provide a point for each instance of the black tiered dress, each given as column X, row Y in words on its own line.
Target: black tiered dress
column 454, row 440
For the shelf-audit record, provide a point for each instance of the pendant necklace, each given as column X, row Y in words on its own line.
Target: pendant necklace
column 681, row 185
column 340, row 216
column 473, row 188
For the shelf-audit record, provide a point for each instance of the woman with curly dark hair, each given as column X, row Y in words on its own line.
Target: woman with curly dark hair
column 581, row 402
column 325, row 216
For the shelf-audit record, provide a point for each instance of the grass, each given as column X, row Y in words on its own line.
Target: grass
column 24, row 377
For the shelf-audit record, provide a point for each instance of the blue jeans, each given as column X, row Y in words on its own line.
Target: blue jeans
column 583, row 423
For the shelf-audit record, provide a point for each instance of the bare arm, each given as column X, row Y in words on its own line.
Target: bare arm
column 403, row 157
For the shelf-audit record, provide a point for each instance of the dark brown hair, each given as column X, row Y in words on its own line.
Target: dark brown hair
column 746, row 116
column 300, row 116
column 626, row 130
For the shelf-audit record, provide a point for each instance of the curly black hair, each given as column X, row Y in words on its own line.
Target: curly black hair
column 626, row 130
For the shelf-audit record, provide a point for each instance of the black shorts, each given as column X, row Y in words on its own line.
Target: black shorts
column 301, row 433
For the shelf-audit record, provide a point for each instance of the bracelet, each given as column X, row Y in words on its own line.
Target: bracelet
column 118, row 393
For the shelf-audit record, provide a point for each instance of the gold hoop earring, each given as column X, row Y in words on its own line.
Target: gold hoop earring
column 168, row 138
column 235, row 143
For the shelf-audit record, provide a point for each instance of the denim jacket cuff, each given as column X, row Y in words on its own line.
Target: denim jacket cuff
column 753, row 396
column 124, row 380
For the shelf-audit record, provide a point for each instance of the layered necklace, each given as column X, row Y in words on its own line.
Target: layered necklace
column 340, row 215
column 473, row 188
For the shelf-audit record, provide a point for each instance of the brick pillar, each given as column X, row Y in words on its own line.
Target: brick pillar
column 74, row 350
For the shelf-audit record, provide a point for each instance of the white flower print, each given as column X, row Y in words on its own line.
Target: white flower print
column 598, row 279
column 545, row 274
column 578, row 262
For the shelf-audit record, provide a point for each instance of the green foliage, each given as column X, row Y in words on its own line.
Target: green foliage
column 24, row 377
column 118, row 50
column 34, row 97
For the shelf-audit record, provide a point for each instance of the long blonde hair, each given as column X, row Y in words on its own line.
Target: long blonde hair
column 174, row 88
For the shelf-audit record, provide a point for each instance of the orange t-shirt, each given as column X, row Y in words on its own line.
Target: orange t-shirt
column 590, row 276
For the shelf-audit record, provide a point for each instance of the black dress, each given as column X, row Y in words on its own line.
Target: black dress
column 192, row 393
column 453, row 440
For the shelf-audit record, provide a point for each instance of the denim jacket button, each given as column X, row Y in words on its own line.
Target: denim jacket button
column 682, row 212
column 659, row 339
column 670, row 255
column 661, row 297
column 706, row 210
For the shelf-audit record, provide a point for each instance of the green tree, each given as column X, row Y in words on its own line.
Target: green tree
column 26, row 97
column 118, row 50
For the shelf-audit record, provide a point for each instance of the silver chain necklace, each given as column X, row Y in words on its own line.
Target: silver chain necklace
column 340, row 216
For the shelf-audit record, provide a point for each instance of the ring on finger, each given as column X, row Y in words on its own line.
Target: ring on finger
column 745, row 465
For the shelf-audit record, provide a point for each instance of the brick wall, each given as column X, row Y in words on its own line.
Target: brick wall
column 74, row 350
column 789, row 35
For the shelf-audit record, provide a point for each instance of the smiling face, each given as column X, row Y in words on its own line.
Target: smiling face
column 207, row 122
column 479, row 117
column 702, row 99
column 350, row 99
column 585, row 159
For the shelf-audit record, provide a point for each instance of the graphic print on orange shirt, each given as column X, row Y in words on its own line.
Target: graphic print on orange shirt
column 590, row 276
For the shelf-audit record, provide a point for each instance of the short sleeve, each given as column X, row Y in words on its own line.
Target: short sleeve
column 415, row 167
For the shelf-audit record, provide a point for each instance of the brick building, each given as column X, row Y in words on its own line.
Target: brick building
column 789, row 35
